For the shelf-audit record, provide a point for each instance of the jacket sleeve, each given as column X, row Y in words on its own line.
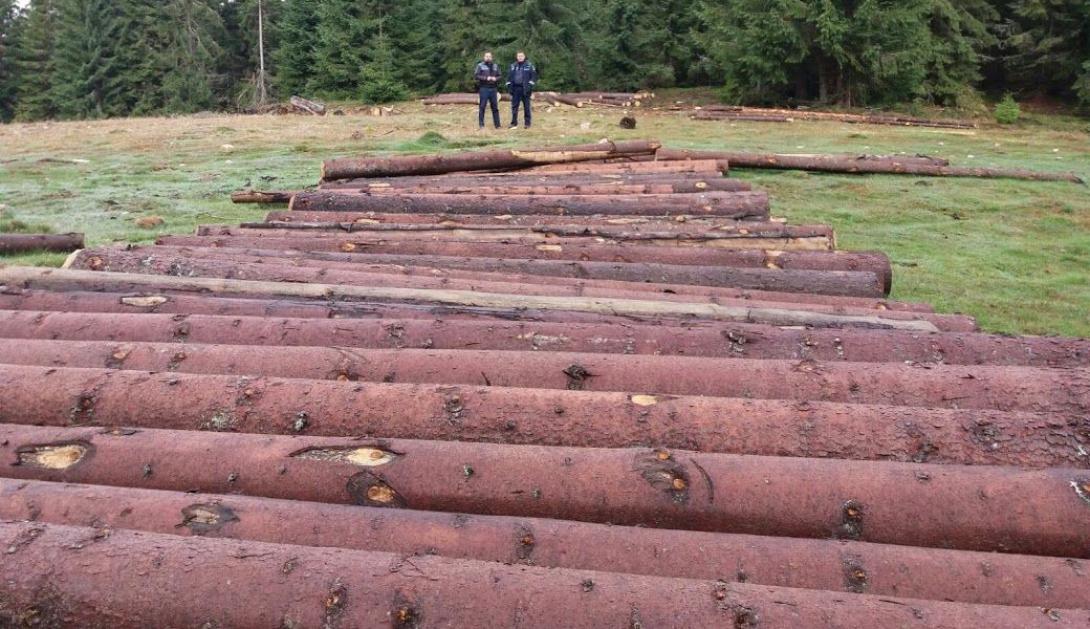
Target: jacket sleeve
column 533, row 75
column 480, row 73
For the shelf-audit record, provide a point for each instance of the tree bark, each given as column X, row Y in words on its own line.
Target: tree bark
column 482, row 160
column 23, row 243
column 737, row 205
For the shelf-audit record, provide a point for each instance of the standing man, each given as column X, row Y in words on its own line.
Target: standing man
column 521, row 77
column 487, row 77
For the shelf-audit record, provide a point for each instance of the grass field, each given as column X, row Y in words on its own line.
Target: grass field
column 1014, row 254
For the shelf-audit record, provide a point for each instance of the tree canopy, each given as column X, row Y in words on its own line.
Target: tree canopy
column 96, row 58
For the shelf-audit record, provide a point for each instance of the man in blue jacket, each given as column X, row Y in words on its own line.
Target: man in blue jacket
column 521, row 78
column 487, row 77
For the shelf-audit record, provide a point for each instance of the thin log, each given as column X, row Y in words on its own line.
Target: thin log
column 840, row 566
column 364, row 324
column 738, row 205
column 23, row 243
column 149, row 579
column 344, row 168
column 258, row 196
column 937, row 506
column 632, row 165
column 861, row 165
column 547, row 188
column 525, row 178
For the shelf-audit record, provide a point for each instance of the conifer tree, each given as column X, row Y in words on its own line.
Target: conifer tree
column 293, row 56
column 379, row 82
column 34, row 60
column 10, row 23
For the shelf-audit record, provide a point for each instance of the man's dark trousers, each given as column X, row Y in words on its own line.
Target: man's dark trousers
column 488, row 96
column 520, row 96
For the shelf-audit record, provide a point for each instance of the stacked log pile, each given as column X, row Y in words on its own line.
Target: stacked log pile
column 574, row 391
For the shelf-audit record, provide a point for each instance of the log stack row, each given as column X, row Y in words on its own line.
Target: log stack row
column 489, row 388
column 573, row 99
column 761, row 114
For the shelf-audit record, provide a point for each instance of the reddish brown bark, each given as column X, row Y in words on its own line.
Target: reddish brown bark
column 147, row 579
column 896, row 503
column 840, row 566
column 253, row 404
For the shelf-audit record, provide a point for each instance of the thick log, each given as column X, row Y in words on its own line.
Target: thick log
column 737, row 205
column 703, row 266
column 709, row 112
column 833, row 566
column 362, row 324
column 348, row 167
column 860, row 165
column 451, row 412
column 928, row 505
column 164, row 580
column 742, row 117
column 936, row 386
column 831, row 283
column 23, row 243
column 258, row 196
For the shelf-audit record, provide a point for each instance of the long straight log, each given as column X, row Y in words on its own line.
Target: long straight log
column 451, row 412
column 833, row 283
column 833, row 566
column 895, row 503
column 364, row 324
column 802, row 114
column 546, row 188
column 694, row 266
column 737, row 205
column 164, row 580
column 481, row 160
column 92, row 280
column 22, row 243
column 860, row 165
column 937, row 386
column 635, row 164
column 528, row 178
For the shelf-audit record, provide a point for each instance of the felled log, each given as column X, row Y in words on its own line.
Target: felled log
column 259, row 196
column 549, row 188
column 1003, row 388
column 821, row 564
column 632, row 166
column 97, row 281
column 700, row 266
column 738, row 205
column 345, row 168
column 725, row 112
column 22, row 243
column 701, row 115
column 452, row 412
column 458, row 99
column 149, row 579
column 861, row 165
column 309, row 106
column 524, row 178
column 832, row 283
column 894, row 503
column 368, row 324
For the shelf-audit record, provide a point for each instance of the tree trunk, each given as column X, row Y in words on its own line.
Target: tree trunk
column 23, row 243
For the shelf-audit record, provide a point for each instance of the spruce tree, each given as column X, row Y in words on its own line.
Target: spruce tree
column 188, row 57
column 34, row 60
column 10, row 22
column 1049, row 43
column 379, row 82
column 293, row 57
column 631, row 47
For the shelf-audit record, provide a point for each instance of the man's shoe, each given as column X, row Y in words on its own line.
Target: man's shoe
column 514, row 126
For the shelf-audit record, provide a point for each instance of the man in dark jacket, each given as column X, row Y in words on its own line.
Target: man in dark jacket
column 521, row 78
column 487, row 77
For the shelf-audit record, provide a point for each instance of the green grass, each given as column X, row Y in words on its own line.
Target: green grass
column 1016, row 255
